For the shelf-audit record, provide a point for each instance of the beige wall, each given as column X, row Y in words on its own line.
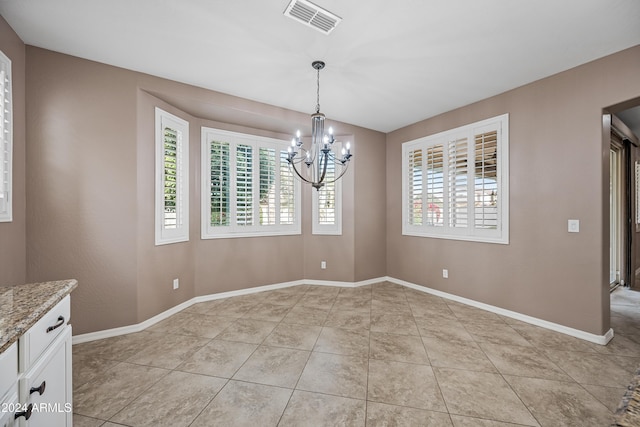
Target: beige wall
column 13, row 238
column 81, row 184
column 91, row 195
column 558, row 170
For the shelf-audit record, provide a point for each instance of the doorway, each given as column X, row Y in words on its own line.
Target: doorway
column 622, row 224
column 616, row 208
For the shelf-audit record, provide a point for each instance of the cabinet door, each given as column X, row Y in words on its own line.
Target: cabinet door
column 48, row 386
column 9, row 406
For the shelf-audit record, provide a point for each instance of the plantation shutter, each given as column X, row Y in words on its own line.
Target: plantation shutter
column 171, row 179
column 435, row 185
column 458, row 182
column 287, row 191
column 486, row 182
column 327, row 197
column 219, row 196
column 5, row 138
column 415, row 187
column 244, row 185
column 267, row 186
column 455, row 184
column 253, row 191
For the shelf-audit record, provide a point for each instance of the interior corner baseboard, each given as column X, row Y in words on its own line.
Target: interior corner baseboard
column 92, row 336
column 123, row 330
column 597, row 339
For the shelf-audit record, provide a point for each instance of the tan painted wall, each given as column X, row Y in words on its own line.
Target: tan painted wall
column 91, row 194
column 13, row 237
column 558, row 164
column 81, row 184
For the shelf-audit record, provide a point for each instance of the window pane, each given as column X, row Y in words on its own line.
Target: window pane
column 457, row 165
column 435, row 185
column 267, row 186
column 327, row 197
column 244, row 185
column 170, row 177
column 287, row 196
column 415, row 187
column 486, row 183
column 219, row 152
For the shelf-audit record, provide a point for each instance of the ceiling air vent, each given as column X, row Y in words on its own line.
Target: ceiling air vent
column 312, row 15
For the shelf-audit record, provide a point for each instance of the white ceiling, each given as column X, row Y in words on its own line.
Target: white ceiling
column 389, row 63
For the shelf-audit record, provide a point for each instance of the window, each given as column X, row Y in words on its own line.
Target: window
column 172, row 178
column 248, row 187
column 327, row 202
column 6, row 140
column 455, row 183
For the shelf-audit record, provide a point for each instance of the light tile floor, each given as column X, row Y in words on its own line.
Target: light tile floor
column 379, row 355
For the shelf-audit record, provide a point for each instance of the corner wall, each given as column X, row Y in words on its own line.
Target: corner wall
column 558, row 164
column 91, row 195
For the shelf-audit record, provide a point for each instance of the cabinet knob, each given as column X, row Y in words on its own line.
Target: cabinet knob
column 26, row 414
column 57, row 325
column 39, row 389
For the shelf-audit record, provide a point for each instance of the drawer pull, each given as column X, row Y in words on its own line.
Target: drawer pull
column 40, row 389
column 57, row 325
column 26, row 414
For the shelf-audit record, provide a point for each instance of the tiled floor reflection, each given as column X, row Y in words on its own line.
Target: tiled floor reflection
column 379, row 355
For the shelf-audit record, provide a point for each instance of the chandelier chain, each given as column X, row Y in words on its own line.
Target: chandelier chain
column 318, row 92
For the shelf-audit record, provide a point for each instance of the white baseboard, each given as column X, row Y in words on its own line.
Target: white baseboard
column 597, row 339
column 108, row 333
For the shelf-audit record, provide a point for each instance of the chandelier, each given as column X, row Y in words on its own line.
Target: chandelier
column 319, row 155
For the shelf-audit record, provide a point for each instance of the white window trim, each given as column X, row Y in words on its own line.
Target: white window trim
column 233, row 230
column 499, row 235
column 328, row 229
column 165, row 235
column 6, row 142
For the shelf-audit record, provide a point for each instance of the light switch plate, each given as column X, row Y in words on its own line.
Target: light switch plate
column 574, row 225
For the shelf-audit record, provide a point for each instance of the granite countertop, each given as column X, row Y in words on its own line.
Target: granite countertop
column 21, row 306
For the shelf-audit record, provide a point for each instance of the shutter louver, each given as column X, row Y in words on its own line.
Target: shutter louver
column 5, row 138
column 327, row 197
column 219, row 154
column 267, row 186
column 486, row 183
column 458, row 183
column 435, row 185
column 244, row 185
column 415, row 187
column 287, row 191
column 170, row 178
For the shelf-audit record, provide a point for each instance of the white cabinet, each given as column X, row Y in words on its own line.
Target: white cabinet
column 9, row 385
column 9, row 406
column 46, row 386
column 35, row 374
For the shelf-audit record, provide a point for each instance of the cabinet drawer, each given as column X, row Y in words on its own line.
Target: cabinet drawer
column 47, row 387
column 8, row 368
column 42, row 334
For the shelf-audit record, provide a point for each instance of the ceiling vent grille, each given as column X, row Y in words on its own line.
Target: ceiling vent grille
column 312, row 15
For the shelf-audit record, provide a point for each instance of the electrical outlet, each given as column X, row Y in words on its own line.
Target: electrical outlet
column 445, row 274
column 176, row 283
column 323, row 265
